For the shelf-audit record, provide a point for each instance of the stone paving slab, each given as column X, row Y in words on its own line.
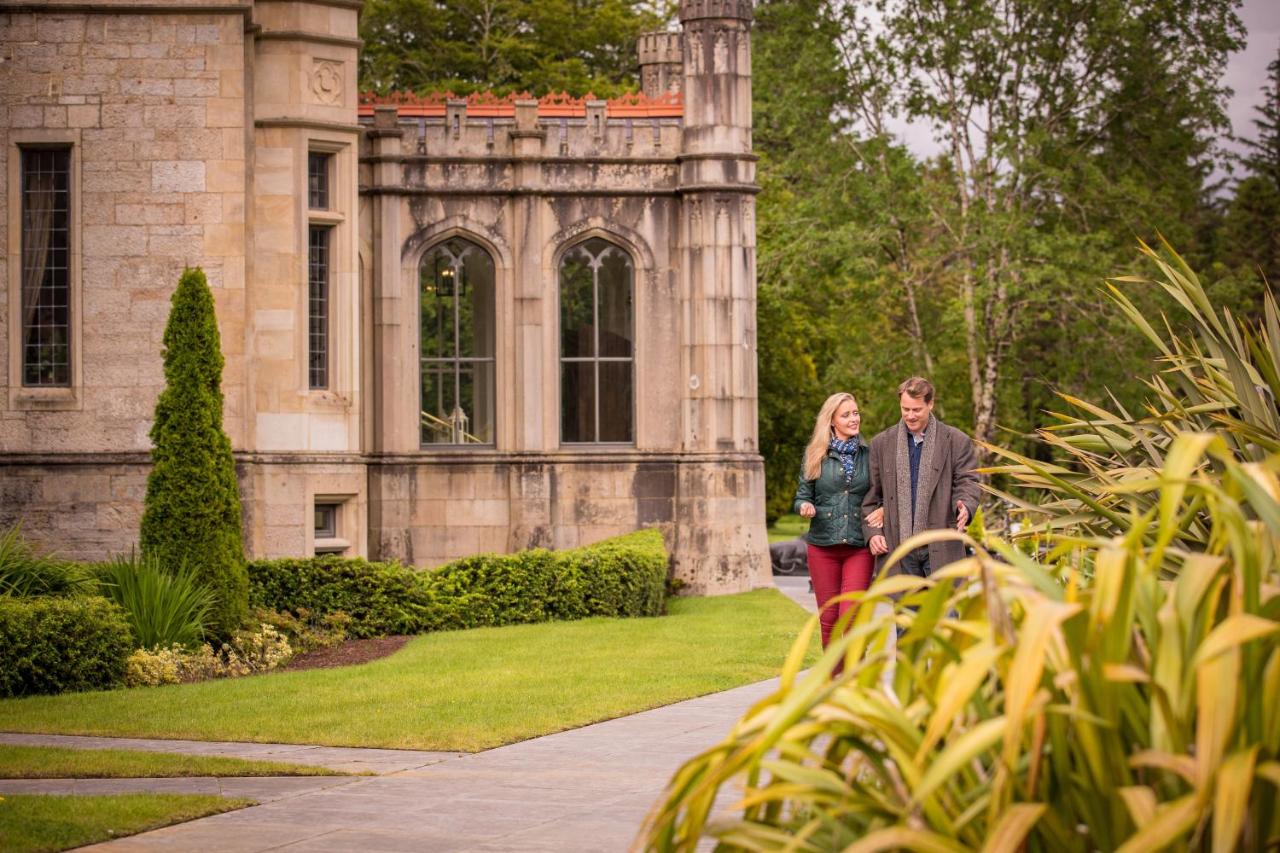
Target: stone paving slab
column 346, row 759
column 586, row 790
column 261, row 788
column 796, row 588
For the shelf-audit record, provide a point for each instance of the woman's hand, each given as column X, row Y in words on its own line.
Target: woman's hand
column 807, row 510
column 876, row 518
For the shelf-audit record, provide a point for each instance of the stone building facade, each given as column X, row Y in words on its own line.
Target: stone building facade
column 450, row 325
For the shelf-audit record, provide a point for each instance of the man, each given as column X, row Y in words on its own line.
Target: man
column 922, row 474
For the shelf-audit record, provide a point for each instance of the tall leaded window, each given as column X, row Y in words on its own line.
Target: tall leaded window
column 46, row 266
column 458, row 325
column 318, row 306
column 318, row 180
column 597, row 321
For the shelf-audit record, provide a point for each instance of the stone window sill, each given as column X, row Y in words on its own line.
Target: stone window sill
column 332, row 546
column 323, row 399
column 44, row 399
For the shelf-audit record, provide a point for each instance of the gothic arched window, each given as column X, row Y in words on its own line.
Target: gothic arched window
column 597, row 322
column 457, row 331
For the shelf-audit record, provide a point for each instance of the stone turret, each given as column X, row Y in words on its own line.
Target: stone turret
column 661, row 65
column 717, row 75
column 723, row 543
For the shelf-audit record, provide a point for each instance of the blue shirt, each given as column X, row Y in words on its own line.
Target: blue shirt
column 914, row 448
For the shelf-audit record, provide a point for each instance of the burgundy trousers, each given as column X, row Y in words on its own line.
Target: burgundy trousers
column 836, row 569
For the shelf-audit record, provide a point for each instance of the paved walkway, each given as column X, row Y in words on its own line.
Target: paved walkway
column 582, row 790
column 797, row 589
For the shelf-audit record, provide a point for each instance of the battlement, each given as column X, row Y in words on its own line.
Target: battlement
column 487, row 125
column 556, row 105
column 691, row 10
column 660, row 47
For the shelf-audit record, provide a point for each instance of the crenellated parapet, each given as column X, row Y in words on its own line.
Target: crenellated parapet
column 484, row 125
column 691, row 10
column 661, row 56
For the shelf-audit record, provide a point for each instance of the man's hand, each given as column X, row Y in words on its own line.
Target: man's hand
column 962, row 515
column 807, row 510
column 878, row 545
column 876, row 518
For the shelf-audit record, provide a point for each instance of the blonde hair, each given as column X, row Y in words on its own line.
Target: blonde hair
column 817, row 447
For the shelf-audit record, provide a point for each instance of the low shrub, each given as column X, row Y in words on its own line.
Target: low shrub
column 56, row 645
column 257, row 651
column 249, row 652
column 165, row 607
column 624, row 576
column 305, row 630
column 27, row 571
column 153, row 667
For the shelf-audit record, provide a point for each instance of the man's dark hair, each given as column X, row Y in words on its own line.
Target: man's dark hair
column 917, row 387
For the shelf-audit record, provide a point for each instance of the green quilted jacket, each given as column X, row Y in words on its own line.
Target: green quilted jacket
column 838, row 504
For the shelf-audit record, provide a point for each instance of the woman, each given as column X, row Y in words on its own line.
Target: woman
column 834, row 477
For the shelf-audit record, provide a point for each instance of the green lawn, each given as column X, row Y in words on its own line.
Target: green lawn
column 461, row 690
column 788, row 527
column 55, row 762
column 31, row 823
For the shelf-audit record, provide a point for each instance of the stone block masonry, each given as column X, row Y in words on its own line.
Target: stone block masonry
column 135, row 97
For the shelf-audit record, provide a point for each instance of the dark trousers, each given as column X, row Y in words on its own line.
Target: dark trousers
column 916, row 563
column 836, row 569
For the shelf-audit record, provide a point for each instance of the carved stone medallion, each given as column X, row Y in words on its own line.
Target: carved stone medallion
column 326, row 80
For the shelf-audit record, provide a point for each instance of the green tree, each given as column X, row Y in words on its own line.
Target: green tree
column 811, row 250
column 192, row 509
column 537, row 46
column 1060, row 136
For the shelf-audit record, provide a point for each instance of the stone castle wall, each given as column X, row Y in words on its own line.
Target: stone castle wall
column 190, row 126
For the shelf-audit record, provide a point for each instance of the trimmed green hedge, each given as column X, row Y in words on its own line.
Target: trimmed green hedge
column 380, row 598
column 55, row 645
column 624, row 576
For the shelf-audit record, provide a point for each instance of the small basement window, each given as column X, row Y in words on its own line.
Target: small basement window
column 328, row 530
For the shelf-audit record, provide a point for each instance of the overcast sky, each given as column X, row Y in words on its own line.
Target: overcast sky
column 1247, row 70
column 1246, row 74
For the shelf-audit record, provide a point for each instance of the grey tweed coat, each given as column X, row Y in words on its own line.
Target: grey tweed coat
column 951, row 477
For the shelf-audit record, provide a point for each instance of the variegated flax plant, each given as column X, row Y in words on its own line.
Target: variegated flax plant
column 1115, row 689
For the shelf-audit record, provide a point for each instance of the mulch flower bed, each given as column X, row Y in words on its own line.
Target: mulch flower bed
column 349, row 653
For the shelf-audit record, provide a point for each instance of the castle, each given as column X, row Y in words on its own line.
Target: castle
column 450, row 325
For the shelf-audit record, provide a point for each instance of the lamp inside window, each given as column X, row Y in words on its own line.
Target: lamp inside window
column 450, row 276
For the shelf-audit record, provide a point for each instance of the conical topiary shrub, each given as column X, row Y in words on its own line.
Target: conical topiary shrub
column 192, row 512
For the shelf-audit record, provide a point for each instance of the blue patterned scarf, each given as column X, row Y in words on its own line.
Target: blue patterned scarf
column 848, row 451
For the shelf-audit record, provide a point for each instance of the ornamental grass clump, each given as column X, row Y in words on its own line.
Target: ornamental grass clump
column 165, row 606
column 192, row 508
column 27, row 571
column 1112, row 688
